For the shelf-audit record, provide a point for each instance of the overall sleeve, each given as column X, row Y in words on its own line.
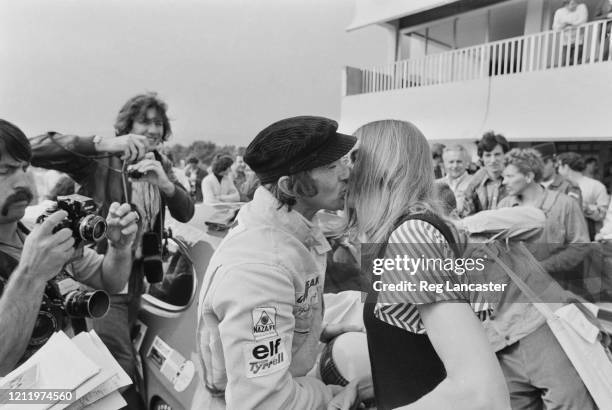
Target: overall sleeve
column 257, row 359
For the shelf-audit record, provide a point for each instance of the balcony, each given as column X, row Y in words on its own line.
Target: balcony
column 587, row 44
column 543, row 86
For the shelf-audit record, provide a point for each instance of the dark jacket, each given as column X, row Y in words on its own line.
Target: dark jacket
column 196, row 189
column 100, row 176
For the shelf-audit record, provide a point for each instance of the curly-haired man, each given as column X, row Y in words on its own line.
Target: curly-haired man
column 141, row 126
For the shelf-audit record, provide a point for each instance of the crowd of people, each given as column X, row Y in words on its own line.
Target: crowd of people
column 569, row 172
column 227, row 179
column 265, row 306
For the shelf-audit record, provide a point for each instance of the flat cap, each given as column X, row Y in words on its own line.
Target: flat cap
column 547, row 149
column 294, row 145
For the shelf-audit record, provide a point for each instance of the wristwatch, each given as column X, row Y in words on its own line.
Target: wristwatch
column 97, row 140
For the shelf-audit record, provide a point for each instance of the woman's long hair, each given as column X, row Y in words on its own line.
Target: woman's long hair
column 392, row 176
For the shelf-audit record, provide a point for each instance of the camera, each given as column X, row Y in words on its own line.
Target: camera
column 76, row 303
column 91, row 304
column 134, row 174
column 86, row 226
column 63, row 302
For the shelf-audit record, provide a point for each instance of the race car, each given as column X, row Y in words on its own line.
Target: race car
column 165, row 335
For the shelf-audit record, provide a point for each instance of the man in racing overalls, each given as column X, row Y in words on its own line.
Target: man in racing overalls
column 260, row 314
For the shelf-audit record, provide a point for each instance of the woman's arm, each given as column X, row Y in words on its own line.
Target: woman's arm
column 474, row 379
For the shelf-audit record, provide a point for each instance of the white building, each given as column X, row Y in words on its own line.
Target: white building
column 459, row 68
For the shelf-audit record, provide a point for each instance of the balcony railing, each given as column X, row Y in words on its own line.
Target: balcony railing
column 587, row 44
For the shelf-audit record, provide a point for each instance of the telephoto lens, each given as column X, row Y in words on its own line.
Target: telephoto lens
column 80, row 303
column 152, row 257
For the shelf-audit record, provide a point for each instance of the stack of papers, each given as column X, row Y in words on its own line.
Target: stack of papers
column 83, row 365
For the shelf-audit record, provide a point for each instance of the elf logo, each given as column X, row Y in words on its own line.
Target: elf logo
column 265, row 358
column 266, row 350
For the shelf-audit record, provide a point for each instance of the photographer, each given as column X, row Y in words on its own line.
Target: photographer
column 29, row 260
column 143, row 177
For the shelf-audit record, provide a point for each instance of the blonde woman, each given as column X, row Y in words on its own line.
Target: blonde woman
column 428, row 350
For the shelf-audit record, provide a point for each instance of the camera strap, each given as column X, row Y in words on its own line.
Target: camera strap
column 126, row 193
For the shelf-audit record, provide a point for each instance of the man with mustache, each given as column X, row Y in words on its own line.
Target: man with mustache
column 28, row 260
column 261, row 304
column 486, row 190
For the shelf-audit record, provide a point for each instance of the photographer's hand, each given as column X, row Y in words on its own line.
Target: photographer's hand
column 134, row 147
column 45, row 253
column 121, row 228
column 154, row 174
column 121, row 225
column 43, row 256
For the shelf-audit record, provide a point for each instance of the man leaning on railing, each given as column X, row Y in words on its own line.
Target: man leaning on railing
column 567, row 19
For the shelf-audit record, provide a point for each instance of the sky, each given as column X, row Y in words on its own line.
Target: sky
column 226, row 68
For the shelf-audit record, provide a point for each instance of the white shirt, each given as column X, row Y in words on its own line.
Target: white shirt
column 606, row 230
column 574, row 18
column 214, row 191
column 594, row 195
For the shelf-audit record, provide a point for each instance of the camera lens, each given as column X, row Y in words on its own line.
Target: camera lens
column 46, row 324
column 92, row 228
column 99, row 230
column 87, row 304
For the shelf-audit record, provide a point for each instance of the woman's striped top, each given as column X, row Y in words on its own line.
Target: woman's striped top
column 426, row 262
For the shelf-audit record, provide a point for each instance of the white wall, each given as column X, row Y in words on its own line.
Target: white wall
column 507, row 20
column 535, row 17
column 560, row 104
